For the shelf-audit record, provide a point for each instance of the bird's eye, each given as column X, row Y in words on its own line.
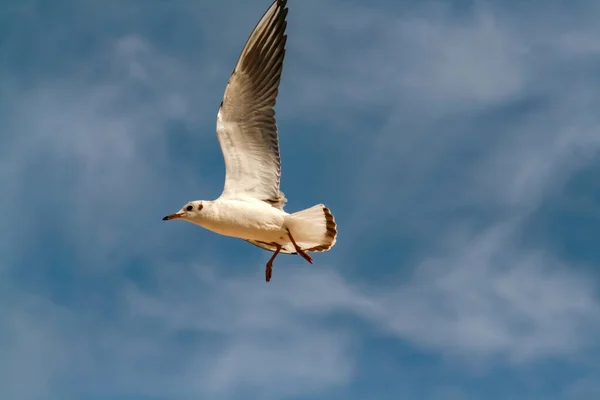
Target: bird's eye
column 189, row 208
column 200, row 207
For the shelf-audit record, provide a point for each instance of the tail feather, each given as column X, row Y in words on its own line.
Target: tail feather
column 314, row 229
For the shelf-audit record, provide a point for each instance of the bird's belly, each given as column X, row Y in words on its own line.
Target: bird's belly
column 249, row 223
column 249, row 232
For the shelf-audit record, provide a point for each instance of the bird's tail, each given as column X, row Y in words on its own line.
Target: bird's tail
column 313, row 229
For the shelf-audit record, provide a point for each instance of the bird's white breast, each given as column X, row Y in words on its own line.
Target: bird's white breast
column 245, row 220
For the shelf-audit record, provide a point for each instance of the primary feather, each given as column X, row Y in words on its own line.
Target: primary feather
column 246, row 126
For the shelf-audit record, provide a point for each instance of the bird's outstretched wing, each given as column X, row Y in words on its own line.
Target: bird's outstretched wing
column 246, row 126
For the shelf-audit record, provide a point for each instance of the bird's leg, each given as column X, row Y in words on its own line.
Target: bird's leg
column 298, row 249
column 269, row 269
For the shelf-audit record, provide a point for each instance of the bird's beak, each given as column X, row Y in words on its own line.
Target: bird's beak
column 173, row 216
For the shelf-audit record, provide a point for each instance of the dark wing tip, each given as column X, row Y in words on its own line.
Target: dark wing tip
column 268, row 38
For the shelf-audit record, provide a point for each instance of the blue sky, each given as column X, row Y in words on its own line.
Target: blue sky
column 456, row 143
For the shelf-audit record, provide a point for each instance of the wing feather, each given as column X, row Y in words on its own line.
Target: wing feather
column 286, row 249
column 246, row 125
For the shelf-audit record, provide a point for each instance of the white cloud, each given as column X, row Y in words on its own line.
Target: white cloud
column 187, row 332
column 81, row 145
column 448, row 164
column 489, row 298
column 464, row 175
column 194, row 336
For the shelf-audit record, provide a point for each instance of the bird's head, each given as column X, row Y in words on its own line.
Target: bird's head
column 189, row 212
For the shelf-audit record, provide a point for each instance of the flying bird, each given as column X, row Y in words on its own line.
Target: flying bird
column 251, row 204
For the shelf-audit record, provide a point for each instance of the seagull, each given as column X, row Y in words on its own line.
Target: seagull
column 251, row 204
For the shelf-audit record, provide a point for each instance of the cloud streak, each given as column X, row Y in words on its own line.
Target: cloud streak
column 468, row 122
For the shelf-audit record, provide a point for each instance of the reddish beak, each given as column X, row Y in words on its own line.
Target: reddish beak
column 172, row 216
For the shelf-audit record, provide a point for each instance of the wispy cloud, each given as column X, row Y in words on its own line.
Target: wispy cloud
column 442, row 133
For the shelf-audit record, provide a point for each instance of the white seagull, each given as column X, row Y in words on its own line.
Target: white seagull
column 251, row 205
